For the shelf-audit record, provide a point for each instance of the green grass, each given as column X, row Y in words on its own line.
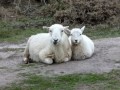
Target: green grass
column 16, row 35
column 106, row 81
column 101, row 31
column 17, row 31
column 10, row 34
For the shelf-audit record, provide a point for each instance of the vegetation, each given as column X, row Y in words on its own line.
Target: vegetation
column 91, row 12
column 106, row 81
column 20, row 19
column 18, row 31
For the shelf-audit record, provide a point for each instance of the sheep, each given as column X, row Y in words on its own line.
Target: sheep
column 81, row 45
column 49, row 47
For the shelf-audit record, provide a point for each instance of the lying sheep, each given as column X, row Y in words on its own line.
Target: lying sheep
column 82, row 46
column 49, row 47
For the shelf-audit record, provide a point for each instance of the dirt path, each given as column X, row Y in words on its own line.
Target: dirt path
column 106, row 58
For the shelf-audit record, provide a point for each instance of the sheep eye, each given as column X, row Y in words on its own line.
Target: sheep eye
column 50, row 30
column 80, row 34
column 70, row 34
column 62, row 31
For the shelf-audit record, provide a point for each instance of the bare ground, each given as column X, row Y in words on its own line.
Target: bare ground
column 105, row 59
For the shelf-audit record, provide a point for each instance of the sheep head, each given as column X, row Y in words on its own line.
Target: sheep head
column 56, row 32
column 76, row 35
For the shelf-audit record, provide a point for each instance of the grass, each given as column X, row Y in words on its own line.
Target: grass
column 17, row 31
column 14, row 35
column 102, row 31
column 106, row 81
column 10, row 34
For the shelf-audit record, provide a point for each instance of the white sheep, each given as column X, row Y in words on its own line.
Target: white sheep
column 49, row 47
column 81, row 45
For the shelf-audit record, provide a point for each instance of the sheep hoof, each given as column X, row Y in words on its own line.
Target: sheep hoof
column 48, row 61
column 66, row 59
column 83, row 57
column 25, row 60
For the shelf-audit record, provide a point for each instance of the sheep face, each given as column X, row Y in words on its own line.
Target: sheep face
column 76, row 35
column 56, row 31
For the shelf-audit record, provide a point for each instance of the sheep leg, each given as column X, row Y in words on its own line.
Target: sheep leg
column 83, row 57
column 48, row 61
column 26, row 55
column 68, row 56
column 45, row 57
column 66, row 59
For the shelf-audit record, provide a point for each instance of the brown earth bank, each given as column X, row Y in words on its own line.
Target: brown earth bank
column 105, row 59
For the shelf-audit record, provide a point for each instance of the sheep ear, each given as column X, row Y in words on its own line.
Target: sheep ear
column 66, row 27
column 82, row 29
column 45, row 27
column 67, row 31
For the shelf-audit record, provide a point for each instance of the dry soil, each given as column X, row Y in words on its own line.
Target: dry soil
column 105, row 59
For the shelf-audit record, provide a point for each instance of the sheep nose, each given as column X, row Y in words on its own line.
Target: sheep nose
column 55, row 41
column 76, row 41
